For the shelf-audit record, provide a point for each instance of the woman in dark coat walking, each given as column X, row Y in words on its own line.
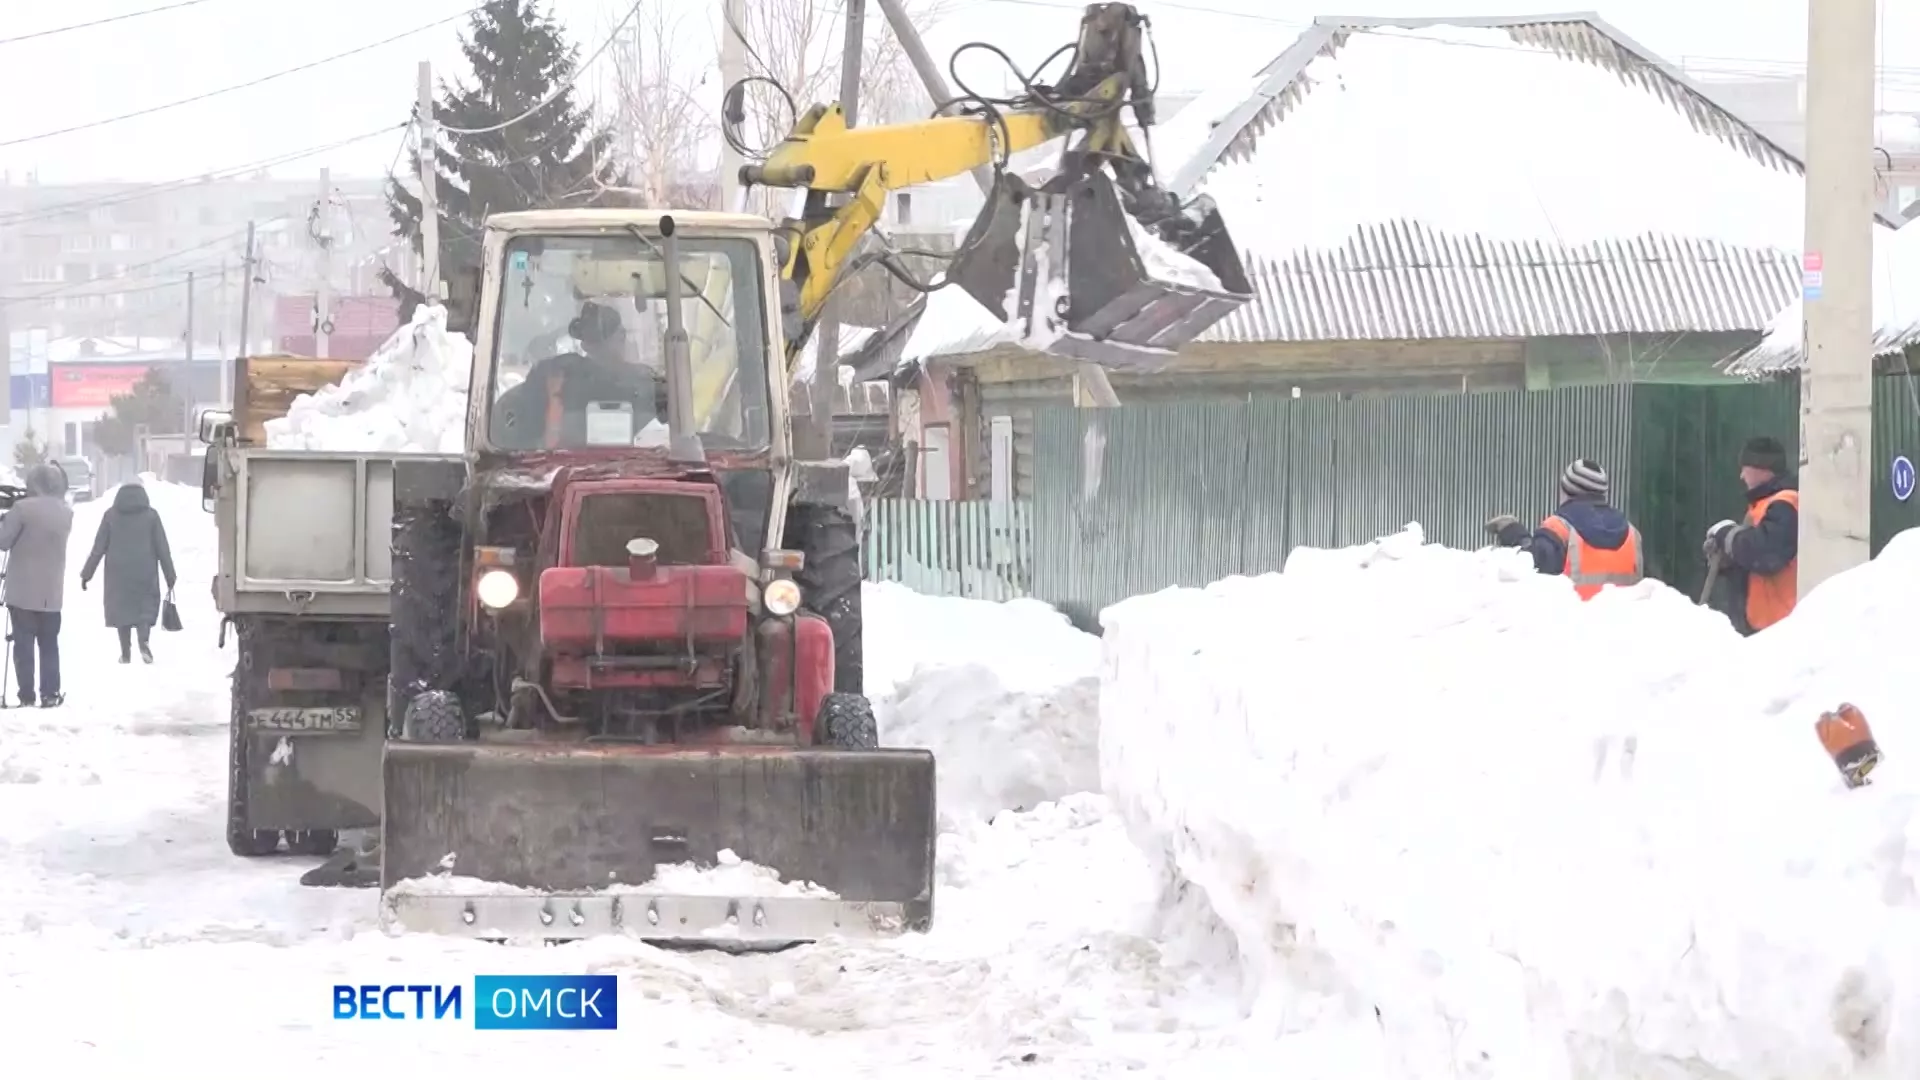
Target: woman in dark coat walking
column 133, row 543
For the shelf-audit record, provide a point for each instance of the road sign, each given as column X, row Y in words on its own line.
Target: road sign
column 1902, row 478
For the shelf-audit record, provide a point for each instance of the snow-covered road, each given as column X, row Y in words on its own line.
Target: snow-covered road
column 130, row 938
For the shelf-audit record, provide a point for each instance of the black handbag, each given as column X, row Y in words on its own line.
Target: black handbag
column 169, row 614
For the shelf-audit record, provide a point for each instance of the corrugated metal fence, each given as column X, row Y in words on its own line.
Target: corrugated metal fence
column 1136, row 499
column 1133, row 500
column 981, row 550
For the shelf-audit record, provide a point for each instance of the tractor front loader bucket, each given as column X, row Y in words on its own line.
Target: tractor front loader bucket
column 1067, row 268
column 563, row 841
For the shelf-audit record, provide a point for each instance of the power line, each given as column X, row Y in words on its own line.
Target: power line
column 37, row 34
column 127, row 271
column 248, row 85
column 55, row 210
column 558, row 90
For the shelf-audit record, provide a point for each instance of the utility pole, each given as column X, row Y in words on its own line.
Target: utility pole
column 322, row 230
column 733, row 68
column 230, row 373
column 1836, row 388
column 826, row 333
column 186, row 381
column 1091, row 385
column 429, row 192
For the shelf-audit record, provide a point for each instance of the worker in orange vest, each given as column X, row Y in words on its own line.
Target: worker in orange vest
column 1760, row 555
column 1586, row 538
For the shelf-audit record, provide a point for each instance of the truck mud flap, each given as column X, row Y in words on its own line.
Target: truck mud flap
column 509, row 841
column 1064, row 266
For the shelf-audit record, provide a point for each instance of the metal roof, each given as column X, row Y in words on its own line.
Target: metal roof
column 1406, row 281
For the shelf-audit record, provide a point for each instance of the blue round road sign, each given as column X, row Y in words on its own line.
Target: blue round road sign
column 1902, row 478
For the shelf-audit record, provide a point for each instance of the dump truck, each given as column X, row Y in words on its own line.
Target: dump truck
column 622, row 630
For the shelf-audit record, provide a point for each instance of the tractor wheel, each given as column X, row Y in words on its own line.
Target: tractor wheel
column 830, row 584
column 241, row 840
column 847, row 723
column 433, row 717
column 426, row 608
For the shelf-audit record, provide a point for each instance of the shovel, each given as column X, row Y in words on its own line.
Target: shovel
column 1713, row 576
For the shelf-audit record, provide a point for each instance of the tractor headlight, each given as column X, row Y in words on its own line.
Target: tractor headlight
column 497, row 588
column 781, row 597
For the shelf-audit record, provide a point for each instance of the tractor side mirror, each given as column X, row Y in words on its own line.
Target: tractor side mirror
column 463, row 299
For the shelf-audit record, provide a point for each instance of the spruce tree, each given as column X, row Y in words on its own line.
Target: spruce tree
column 556, row 157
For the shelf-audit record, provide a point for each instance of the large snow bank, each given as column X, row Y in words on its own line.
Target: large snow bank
column 1518, row 836
column 1006, row 695
column 409, row 397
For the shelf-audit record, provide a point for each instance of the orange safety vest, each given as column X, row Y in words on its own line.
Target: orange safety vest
column 1770, row 597
column 556, row 409
column 1592, row 568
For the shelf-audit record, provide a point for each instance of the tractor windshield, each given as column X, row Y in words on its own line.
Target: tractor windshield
column 580, row 345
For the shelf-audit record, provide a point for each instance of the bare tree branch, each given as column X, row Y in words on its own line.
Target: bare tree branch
column 660, row 125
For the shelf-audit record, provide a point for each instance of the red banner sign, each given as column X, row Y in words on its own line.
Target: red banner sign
column 84, row 386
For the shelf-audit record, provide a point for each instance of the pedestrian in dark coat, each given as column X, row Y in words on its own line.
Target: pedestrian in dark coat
column 34, row 536
column 133, row 543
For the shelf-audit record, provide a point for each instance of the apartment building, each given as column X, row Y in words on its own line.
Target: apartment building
column 111, row 259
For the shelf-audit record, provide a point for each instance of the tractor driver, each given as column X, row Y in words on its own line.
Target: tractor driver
column 549, row 408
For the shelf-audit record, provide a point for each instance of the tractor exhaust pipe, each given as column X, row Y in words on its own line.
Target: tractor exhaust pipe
column 683, row 443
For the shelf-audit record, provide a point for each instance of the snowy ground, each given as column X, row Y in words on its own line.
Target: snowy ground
column 117, row 891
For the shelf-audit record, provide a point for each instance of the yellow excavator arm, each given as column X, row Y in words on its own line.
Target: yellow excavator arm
column 1060, row 262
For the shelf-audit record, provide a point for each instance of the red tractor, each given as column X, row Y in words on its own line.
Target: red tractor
column 626, row 628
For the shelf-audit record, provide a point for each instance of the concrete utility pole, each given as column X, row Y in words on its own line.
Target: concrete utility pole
column 230, row 374
column 1836, row 389
column 826, row 333
column 429, row 192
column 323, row 236
column 733, row 68
column 186, row 380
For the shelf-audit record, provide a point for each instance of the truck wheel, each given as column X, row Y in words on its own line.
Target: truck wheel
column 846, row 722
column 242, row 841
column 434, row 717
column 426, row 606
column 830, row 583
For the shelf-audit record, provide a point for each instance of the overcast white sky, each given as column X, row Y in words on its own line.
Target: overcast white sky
column 91, row 74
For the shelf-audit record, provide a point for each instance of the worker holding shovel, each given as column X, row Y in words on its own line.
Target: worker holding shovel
column 1759, row 555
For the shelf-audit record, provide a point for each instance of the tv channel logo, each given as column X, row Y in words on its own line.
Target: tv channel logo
column 500, row 1002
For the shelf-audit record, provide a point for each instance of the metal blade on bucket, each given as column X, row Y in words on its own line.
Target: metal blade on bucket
column 567, row 838
column 1064, row 265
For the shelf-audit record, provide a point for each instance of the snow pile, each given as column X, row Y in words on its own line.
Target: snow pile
column 1168, row 263
column 1430, row 795
column 1558, row 149
column 409, row 397
column 1896, row 308
column 1006, row 695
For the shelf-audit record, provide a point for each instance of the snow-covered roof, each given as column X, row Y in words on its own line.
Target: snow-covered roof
column 1896, row 311
column 1517, row 176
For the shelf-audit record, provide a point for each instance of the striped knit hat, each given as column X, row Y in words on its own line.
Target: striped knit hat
column 1583, row 479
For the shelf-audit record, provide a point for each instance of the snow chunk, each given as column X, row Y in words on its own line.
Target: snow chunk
column 409, row 397
column 1168, row 263
column 1006, row 695
column 731, row 876
column 1526, row 837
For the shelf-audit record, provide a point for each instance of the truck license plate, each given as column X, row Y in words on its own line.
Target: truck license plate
column 312, row 721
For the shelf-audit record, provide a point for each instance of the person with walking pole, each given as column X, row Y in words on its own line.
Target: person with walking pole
column 132, row 542
column 34, row 535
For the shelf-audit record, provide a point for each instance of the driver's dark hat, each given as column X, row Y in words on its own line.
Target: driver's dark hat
column 596, row 323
